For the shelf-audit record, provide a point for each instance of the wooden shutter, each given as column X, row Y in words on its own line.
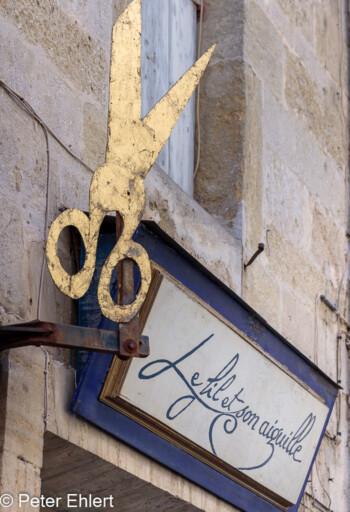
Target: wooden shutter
column 168, row 50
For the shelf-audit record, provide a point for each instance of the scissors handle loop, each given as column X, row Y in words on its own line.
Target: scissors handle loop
column 124, row 249
column 75, row 286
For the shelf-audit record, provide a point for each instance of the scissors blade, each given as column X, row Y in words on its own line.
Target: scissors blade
column 165, row 114
column 125, row 79
column 133, row 142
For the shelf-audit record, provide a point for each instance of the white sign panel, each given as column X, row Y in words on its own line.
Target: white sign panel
column 214, row 387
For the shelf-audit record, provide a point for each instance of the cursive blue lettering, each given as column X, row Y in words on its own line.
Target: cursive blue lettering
column 218, row 394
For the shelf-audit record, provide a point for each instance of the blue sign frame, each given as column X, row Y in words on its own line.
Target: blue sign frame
column 170, row 256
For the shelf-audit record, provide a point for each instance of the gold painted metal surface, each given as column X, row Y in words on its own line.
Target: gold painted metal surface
column 133, row 146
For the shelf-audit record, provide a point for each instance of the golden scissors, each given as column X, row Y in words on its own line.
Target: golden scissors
column 133, row 146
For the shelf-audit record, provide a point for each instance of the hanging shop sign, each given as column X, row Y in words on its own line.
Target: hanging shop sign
column 223, row 399
column 213, row 391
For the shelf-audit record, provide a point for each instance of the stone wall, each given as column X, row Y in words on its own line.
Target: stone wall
column 296, row 195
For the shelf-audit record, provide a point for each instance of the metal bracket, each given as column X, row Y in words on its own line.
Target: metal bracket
column 67, row 336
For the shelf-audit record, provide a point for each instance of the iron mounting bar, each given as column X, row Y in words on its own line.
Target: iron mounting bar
column 67, row 336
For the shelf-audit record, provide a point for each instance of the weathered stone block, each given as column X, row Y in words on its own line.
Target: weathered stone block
column 17, row 475
column 24, row 416
column 329, row 36
column 336, row 122
column 285, row 202
column 218, row 185
column 94, row 17
column 298, row 319
column 320, row 110
column 288, row 137
column 303, row 95
column 67, row 44
column 33, row 75
column 292, row 269
column 324, row 231
column 263, row 48
column 13, row 268
column 301, row 15
column 95, row 135
column 223, row 23
column 262, row 291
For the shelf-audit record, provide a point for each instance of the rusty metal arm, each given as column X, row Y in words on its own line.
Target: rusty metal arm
column 67, row 336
